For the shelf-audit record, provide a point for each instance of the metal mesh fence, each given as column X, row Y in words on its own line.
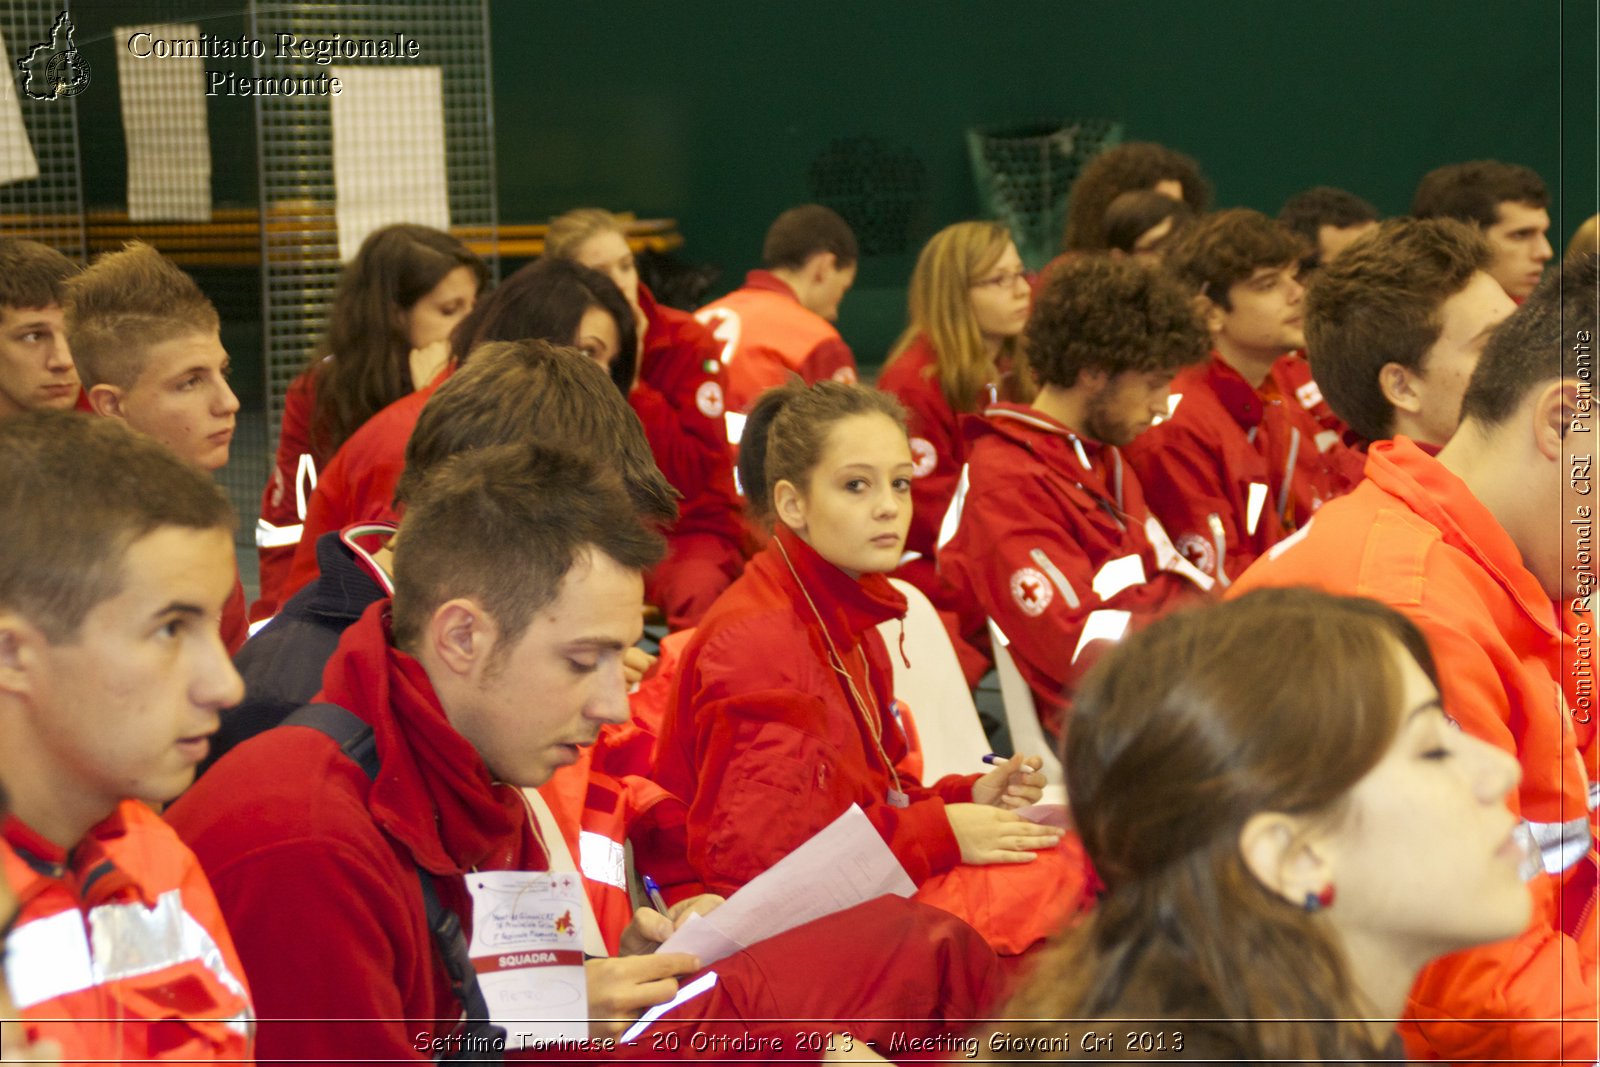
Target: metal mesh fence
column 48, row 208
column 295, row 157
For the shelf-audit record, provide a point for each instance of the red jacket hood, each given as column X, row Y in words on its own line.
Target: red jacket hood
column 1402, row 468
column 435, row 794
column 1099, row 465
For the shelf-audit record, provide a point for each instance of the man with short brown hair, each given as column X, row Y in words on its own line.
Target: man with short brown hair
column 1507, row 203
column 36, row 369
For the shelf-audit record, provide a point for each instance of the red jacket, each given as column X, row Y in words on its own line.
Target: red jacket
column 1054, row 541
column 1413, row 536
column 680, row 400
column 767, row 335
column 1233, row 470
column 358, row 483
column 1292, row 374
column 284, row 500
column 763, row 741
column 316, row 870
column 235, row 626
column 120, row 953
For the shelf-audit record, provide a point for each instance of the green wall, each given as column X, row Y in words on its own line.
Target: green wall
column 712, row 112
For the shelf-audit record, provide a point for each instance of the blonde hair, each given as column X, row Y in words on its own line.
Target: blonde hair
column 940, row 307
column 126, row 302
column 568, row 232
column 1585, row 239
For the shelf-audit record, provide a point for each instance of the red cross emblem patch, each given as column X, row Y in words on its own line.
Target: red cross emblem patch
column 1032, row 591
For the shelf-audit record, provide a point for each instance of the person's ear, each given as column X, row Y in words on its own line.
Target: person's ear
column 109, row 400
column 1284, row 857
column 820, row 266
column 1210, row 313
column 1399, row 386
column 789, row 505
column 1096, row 378
column 461, row 635
column 1555, row 411
column 21, row 646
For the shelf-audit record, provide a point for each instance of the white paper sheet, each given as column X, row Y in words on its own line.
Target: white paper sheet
column 844, row 864
column 388, row 151
column 17, row 161
column 164, row 122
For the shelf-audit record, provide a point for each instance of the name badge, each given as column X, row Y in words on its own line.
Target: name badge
column 527, row 947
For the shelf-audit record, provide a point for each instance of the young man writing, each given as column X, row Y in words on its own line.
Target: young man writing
column 112, row 677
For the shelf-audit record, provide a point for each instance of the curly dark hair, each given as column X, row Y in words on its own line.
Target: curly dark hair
column 1306, row 212
column 1115, row 315
column 1123, row 169
column 1224, row 249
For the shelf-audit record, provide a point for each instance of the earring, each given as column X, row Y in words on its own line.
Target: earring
column 1316, row 902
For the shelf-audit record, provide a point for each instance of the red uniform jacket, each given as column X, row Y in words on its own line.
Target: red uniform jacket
column 284, row 500
column 1292, row 374
column 1232, row 470
column 1413, row 536
column 358, row 483
column 767, row 335
column 762, row 739
column 1056, row 543
column 316, row 870
column 120, row 953
column 680, row 400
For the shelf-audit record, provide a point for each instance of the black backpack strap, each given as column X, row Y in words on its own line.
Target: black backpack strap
column 357, row 741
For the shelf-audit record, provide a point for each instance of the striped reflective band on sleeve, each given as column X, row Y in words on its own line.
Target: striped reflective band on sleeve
column 1057, row 579
column 1102, row 625
column 735, row 422
column 1219, row 541
column 1258, row 500
column 270, row 536
column 1288, row 475
column 602, row 859
column 1561, row 844
column 1118, row 574
column 305, row 483
column 952, row 515
column 53, row 957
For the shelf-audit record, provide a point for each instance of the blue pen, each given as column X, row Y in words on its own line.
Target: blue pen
column 654, row 892
column 992, row 758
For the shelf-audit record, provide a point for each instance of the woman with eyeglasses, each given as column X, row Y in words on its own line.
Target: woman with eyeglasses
column 960, row 352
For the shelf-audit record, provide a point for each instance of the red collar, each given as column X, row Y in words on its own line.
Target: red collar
column 769, row 282
column 1401, row 468
column 1097, row 466
column 848, row 607
column 86, row 869
column 435, row 795
column 1239, row 398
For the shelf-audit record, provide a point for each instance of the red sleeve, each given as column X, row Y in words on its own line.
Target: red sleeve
column 767, row 784
column 1028, row 566
column 322, row 937
column 830, row 359
column 936, row 456
column 1186, row 486
column 353, row 488
column 277, row 534
column 235, row 623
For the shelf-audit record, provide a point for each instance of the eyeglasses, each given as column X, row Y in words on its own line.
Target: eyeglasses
column 1003, row 280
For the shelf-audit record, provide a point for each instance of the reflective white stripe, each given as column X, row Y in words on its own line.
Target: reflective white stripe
column 687, row 993
column 257, row 626
column 1173, row 400
column 1102, row 625
column 1288, row 473
column 1168, row 558
column 270, row 536
column 1219, row 540
column 1258, row 500
column 1309, row 395
column 952, row 514
column 1077, row 446
column 1326, row 440
column 52, row 957
column 602, row 859
column 1118, row 574
column 735, row 423
column 1289, row 542
column 907, row 557
column 305, row 482
column 1561, row 844
column 48, row 958
column 1057, row 579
